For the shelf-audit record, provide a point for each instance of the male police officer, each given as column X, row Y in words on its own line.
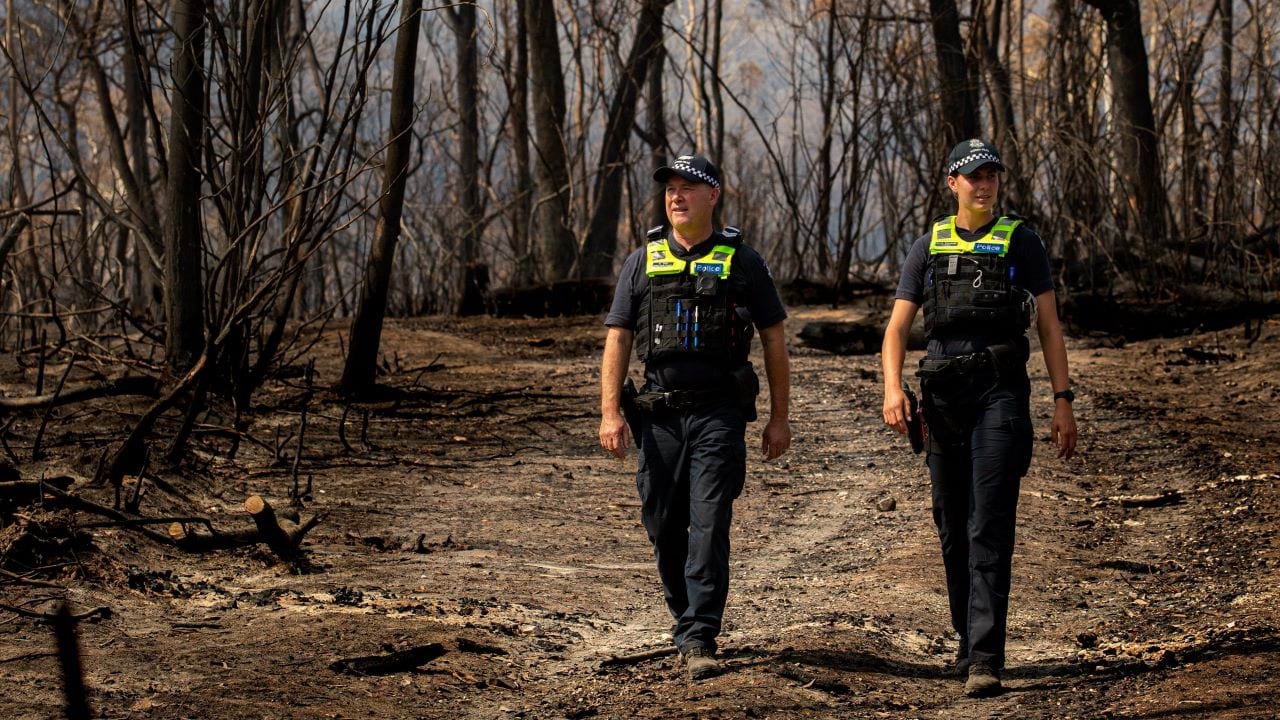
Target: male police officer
column 689, row 299
column 978, row 275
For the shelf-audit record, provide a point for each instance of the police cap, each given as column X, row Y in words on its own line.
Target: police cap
column 693, row 168
column 969, row 155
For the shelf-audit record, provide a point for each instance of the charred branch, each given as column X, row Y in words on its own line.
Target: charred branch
column 141, row 385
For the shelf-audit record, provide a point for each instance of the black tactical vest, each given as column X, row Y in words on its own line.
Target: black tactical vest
column 692, row 307
column 969, row 286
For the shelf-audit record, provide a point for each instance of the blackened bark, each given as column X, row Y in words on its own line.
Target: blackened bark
column 1000, row 90
column 957, row 97
column 183, row 237
column 602, row 236
column 136, row 94
column 518, row 127
column 366, row 328
column 1227, row 219
column 1136, row 153
column 283, row 37
column 470, row 293
column 1192, row 216
column 715, row 95
column 555, row 240
column 826, row 179
column 655, row 113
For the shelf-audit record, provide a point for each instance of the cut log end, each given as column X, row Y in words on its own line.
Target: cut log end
column 256, row 505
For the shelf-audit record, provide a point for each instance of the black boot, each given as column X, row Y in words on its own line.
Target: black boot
column 984, row 680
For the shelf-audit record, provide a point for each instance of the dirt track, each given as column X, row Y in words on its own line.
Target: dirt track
column 484, row 517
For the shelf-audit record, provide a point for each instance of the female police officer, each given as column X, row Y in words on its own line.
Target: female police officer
column 981, row 277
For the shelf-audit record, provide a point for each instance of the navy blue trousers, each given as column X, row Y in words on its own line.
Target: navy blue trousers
column 692, row 467
column 979, row 449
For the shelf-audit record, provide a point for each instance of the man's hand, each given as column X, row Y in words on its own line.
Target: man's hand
column 776, row 438
column 1064, row 431
column 897, row 409
column 614, row 434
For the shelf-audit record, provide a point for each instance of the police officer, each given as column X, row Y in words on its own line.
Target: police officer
column 690, row 301
column 981, row 277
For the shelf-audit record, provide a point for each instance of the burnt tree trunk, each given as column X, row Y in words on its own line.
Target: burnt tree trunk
column 826, row 178
column 148, row 247
column 1227, row 223
column 1136, row 153
column 470, row 290
column 518, row 127
column 957, row 99
column 602, row 236
column 183, row 239
column 366, row 328
column 655, row 114
column 307, row 276
column 554, row 237
column 1000, row 90
column 714, row 94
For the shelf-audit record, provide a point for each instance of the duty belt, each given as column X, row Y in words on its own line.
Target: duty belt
column 999, row 358
column 955, row 365
column 677, row 400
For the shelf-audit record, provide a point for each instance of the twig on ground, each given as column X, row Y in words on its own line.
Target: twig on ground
column 104, row 612
column 638, row 657
column 24, row 580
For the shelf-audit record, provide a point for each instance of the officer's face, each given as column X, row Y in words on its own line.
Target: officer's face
column 977, row 191
column 689, row 204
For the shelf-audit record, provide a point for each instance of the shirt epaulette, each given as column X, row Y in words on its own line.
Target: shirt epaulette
column 656, row 232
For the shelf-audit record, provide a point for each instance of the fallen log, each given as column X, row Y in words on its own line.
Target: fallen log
column 566, row 297
column 863, row 336
column 280, row 542
column 394, row 662
column 28, row 491
column 283, row 539
column 127, row 385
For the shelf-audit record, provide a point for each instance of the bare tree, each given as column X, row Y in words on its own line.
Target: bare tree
column 957, row 96
column 656, row 130
column 366, row 329
column 988, row 31
column 183, row 229
column 551, row 225
column 470, row 286
column 1227, row 210
column 518, row 127
column 1136, row 154
column 602, row 235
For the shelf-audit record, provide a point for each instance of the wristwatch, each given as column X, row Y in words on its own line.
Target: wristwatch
column 1067, row 395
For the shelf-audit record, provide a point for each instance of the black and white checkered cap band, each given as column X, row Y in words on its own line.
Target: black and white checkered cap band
column 973, row 157
column 685, row 167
